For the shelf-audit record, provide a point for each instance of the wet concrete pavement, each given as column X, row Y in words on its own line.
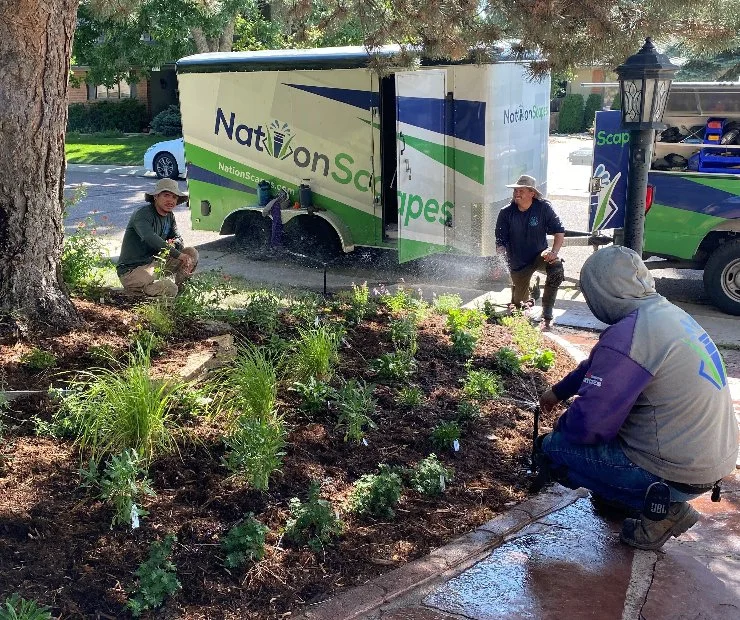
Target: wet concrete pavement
column 555, row 557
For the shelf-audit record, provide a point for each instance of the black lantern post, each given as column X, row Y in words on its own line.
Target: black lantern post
column 644, row 82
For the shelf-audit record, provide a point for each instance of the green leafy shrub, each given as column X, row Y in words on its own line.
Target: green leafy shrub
column 430, row 477
column 82, row 261
column 168, row 122
column 356, row 403
column 467, row 411
column 394, row 366
column 157, row 578
column 481, row 385
column 126, row 115
column 594, row 102
column 315, row 395
column 570, row 117
column 444, row 435
column 410, row 396
column 617, row 102
column 17, row 608
column 316, row 353
column 404, row 334
column 256, row 448
column 463, row 342
column 145, row 340
column 124, row 484
column 245, row 542
column 507, row 361
column 446, row 302
column 157, row 315
column 525, row 336
column 465, row 319
column 377, row 494
column 544, row 360
column 123, row 407
column 314, row 523
column 202, row 295
column 37, row 360
column 398, row 301
column 263, row 311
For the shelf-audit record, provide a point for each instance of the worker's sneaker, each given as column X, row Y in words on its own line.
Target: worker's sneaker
column 646, row 534
column 546, row 325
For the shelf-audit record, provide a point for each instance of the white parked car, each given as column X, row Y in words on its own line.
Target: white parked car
column 166, row 159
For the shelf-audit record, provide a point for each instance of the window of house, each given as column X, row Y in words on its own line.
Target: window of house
column 122, row 90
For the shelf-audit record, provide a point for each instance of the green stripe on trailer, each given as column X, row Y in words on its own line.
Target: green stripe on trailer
column 677, row 232
column 408, row 249
column 364, row 227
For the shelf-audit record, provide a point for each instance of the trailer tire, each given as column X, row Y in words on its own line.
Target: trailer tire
column 252, row 232
column 312, row 238
column 722, row 277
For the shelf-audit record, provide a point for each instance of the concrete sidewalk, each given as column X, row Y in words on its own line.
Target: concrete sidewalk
column 554, row 557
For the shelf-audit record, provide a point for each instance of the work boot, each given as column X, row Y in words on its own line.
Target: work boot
column 651, row 535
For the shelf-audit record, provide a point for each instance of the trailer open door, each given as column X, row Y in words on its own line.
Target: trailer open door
column 424, row 213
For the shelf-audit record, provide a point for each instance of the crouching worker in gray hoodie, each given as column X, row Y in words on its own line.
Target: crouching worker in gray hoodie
column 653, row 405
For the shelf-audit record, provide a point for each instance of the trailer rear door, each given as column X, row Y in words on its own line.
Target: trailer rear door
column 424, row 215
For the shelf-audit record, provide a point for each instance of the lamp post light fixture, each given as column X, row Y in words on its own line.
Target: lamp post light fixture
column 644, row 83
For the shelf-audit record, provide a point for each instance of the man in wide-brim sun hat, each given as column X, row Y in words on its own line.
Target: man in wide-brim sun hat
column 151, row 234
column 521, row 236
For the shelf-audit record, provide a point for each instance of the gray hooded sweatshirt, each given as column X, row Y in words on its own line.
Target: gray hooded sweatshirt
column 655, row 379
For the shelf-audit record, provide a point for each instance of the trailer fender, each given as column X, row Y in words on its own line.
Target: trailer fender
column 343, row 232
column 229, row 225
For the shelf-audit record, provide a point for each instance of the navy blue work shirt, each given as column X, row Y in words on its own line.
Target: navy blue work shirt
column 524, row 234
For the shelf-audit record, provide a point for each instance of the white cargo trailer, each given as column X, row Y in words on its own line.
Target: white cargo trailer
column 416, row 160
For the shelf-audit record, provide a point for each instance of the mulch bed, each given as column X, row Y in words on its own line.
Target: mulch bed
column 57, row 545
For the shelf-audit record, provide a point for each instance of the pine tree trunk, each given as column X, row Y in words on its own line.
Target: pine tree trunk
column 35, row 46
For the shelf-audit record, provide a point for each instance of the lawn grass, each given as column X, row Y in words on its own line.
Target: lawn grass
column 108, row 148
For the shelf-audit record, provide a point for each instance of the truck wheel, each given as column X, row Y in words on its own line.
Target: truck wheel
column 252, row 232
column 722, row 277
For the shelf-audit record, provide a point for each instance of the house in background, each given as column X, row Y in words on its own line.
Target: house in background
column 156, row 93
column 589, row 75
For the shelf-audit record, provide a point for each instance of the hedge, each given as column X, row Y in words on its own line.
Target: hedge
column 593, row 103
column 126, row 115
column 168, row 122
column 570, row 117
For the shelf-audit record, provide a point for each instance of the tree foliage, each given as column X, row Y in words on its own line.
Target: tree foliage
column 563, row 32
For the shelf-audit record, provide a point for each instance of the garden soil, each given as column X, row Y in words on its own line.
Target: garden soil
column 57, row 545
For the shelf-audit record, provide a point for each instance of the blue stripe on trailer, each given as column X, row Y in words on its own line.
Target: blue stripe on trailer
column 196, row 173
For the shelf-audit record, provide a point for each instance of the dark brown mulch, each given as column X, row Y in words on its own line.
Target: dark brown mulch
column 57, row 545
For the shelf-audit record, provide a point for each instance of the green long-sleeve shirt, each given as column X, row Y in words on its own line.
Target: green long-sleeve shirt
column 146, row 235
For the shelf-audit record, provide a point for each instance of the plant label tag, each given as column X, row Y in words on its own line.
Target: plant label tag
column 134, row 517
column 364, row 441
column 456, row 445
column 442, row 482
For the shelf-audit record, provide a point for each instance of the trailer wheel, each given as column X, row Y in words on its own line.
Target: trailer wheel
column 722, row 277
column 252, row 232
column 312, row 238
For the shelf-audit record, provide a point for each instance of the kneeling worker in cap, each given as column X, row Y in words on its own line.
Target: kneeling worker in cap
column 152, row 229
column 653, row 424
column 521, row 236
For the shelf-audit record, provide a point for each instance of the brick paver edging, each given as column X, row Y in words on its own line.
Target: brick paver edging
column 443, row 563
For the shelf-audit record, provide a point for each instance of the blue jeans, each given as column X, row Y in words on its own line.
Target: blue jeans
column 605, row 470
